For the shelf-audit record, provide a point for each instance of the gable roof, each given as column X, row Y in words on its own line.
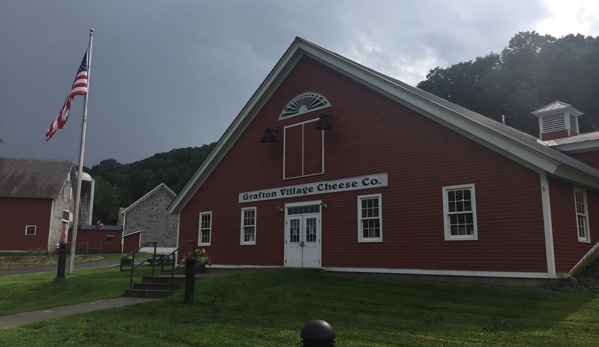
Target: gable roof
column 33, row 178
column 555, row 108
column 521, row 147
column 150, row 193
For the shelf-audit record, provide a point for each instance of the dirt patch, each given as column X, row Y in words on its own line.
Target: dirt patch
column 13, row 262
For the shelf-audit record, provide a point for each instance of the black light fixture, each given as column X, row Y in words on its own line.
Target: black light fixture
column 268, row 136
column 323, row 123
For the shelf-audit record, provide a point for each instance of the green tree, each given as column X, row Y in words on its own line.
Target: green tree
column 106, row 202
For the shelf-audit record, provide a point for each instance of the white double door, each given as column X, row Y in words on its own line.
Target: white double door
column 302, row 240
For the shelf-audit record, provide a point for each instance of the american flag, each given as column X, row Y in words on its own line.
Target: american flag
column 79, row 88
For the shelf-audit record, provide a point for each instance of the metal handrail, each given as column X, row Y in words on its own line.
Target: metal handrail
column 167, row 258
column 133, row 266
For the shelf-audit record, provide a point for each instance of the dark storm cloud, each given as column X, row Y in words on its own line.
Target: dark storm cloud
column 175, row 74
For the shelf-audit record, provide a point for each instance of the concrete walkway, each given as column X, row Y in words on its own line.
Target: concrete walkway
column 15, row 320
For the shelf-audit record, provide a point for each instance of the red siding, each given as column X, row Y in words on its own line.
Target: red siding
column 96, row 240
column 568, row 250
column 557, row 135
column 591, row 158
column 373, row 134
column 15, row 215
column 131, row 242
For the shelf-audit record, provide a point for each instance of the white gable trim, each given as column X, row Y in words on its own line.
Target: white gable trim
column 140, row 200
column 511, row 148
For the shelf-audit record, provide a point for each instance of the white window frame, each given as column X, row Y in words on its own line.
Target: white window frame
column 303, row 125
column 34, row 230
column 446, row 213
column 587, row 237
column 200, row 243
column 243, row 225
column 361, row 237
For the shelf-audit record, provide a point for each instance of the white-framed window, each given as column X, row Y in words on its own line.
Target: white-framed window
column 370, row 218
column 459, row 209
column 30, row 230
column 205, row 228
column 582, row 215
column 248, row 225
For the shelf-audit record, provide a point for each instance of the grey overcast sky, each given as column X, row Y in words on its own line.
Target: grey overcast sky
column 172, row 74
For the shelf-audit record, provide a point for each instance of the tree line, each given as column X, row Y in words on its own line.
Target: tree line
column 532, row 71
column 119, row 185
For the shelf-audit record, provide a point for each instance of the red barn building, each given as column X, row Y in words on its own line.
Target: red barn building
column 36, row 203
column 404, row 182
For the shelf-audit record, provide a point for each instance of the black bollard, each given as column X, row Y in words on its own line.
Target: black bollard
column 190, row 277
column 62, row 260
column 318, row 333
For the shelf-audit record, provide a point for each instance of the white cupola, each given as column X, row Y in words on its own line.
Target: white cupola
column 557, row 120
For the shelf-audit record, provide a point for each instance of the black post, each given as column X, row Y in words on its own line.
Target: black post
column 190, row 276
column 62, row 261
column 318, row 333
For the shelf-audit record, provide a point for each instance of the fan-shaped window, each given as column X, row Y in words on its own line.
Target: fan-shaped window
column 304, row 103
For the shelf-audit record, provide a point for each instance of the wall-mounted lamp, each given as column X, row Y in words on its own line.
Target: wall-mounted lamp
column 323, row 123
column 280, row 209
column 323, row 204
column 268, row 136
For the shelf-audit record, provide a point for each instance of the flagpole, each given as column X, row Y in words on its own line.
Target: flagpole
column 81, row 152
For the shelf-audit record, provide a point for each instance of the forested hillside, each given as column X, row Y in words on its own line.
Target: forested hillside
column 533, row 71
column 118, row 185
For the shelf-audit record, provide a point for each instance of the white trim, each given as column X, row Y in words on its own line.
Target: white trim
column 303, row 124
column 443, row 272
column 380, row 218
column 204, row 213
column 178, row 229
column 241, row 239
column 148, row 194
column 548, row 226
column 50, row 226
column 34, row 230
column 446, row 213
column 585, row 258
column 135, row 232
column 587, row 238
column 302, row 96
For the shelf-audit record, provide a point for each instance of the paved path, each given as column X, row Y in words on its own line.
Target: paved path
column 54, row 268
column 18, row 319
column 15, row 320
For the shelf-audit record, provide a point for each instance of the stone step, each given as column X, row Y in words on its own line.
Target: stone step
column 141, row 293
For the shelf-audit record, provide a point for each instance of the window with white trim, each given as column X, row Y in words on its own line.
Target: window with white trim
column 370, row 224
column 248, row 226
column 30, row 230
column 303, row 151
column 205, row 228
column 582, row 215
column 459, row 209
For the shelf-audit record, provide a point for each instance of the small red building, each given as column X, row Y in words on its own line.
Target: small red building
column 99, row 238
column 36, row 203
column 404, row 182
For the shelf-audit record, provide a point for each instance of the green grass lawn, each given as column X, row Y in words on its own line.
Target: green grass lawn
column 270, row 308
